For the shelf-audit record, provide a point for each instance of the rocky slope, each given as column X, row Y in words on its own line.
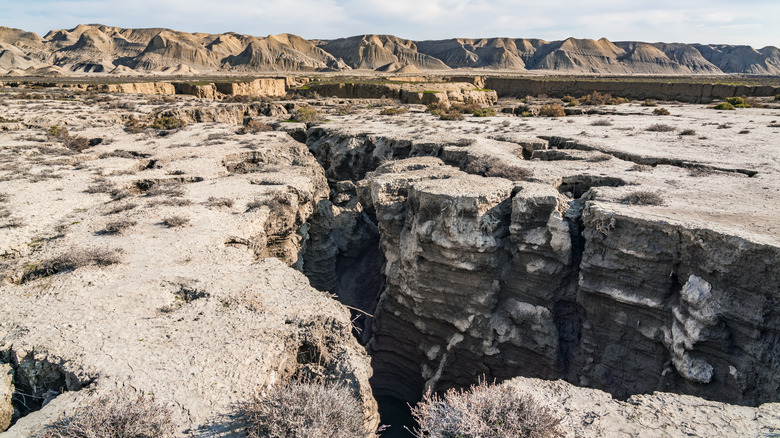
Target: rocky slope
column 105, row 49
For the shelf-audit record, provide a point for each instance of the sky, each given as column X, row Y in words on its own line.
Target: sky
column 751, row 22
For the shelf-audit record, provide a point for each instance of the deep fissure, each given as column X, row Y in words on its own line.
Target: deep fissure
column 536, row 316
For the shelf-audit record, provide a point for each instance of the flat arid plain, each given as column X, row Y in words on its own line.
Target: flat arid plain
column 419, row 250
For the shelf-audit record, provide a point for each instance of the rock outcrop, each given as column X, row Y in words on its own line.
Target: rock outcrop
column 100, row 49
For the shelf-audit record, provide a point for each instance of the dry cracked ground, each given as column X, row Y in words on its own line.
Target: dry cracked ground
column 618, row 253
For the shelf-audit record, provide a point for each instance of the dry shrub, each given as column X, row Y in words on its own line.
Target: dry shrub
column 552, row 110
column 659, row 127
column 451, row 115
column 219, row 202
column 72, row 142
column 484, row 112
column 642, row 198
column 661, row 112
column 120, row 414
column 254, row 126
column 306, row 114
column 118, row 227
column 464, row 108
column 167, row 123
column 490, row 166
column 175, row 221
column 394, row 111
column 484, row 411
column 70, row 261
column 649, row 102
column 165, row 189
column 601, row 122
column 299, row 409
column 687, row 132
column 595, row 98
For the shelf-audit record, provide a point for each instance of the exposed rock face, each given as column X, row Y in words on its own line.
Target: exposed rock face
column 375, row 51
column 100, row 49
column 6, row 393
column 486, row 277
column 410, row 93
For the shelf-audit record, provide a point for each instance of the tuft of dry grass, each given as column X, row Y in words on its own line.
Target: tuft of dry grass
column 175, row 221
column 120, row 414
column 298, row 409
column 659, row 127
column 254, row 126
column 642, row 198
column 70, row 261
column 118, row 227
column 484, row 411
column 687, row 132
column 219, row 202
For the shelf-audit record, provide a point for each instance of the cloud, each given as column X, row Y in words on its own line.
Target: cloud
column 715, row 21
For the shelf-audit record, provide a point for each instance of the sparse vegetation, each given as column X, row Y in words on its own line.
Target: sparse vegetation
column 552, row 110
column 118, row 227
column 484, row 112
column 306, row 114
column 175, row 221
column 254, row 126
column 661, row 112
column 484, row 411
column 649, row 102
column 120, row 414
column 642, row 198
column 394, row 111
column 601, row 122
column 687, row 132
column 72, row 142
column 167, row 123
column 70, row 261
column 299, row 409
column 596, row 98
column 659, row 127
column 219, row 202
column 452, row 115
column 724, row 106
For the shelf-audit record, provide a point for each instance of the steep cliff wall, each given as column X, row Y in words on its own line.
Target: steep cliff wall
column 550, row 279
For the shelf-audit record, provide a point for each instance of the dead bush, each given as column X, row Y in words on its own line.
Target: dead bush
column 117, row 227
column 394, row 111
column 299, row 409
column 120, row 414
column 552, row 110
column 659, row 127
column 484, row 411
column 595, row 98
column 100, row 186
column 687, row 132
column 452, row 116
column 219, row 202
column 642, row 198
column 121, row 208
column 254, row 126
column 661, row 112
column 175, row 221
column 70, row 261
column 167, row 123
column 165, row 189
column 601, row 122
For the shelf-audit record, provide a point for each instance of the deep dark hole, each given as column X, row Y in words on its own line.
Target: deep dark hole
column 396, row 415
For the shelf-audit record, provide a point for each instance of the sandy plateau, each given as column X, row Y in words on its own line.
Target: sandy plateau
column 185, row 263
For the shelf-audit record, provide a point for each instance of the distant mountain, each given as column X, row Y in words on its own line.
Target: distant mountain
column 104, row 49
